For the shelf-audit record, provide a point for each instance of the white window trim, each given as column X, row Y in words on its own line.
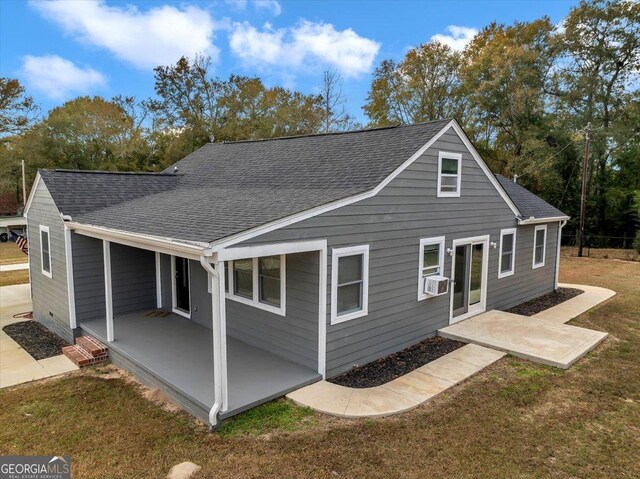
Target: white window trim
column 449, row 156
column 535, row 265
column 439, row 240
column 174, row 308
column 337, row 253
column 48, row 274
column 511, row 270
column 255, row 301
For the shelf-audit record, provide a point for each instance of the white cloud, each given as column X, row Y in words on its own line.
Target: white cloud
column 57, row 77
column 459, row 36
column 306, row 45
column 158, row 36
column 271, row 5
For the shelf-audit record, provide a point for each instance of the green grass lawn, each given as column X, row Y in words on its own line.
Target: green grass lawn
column 514, row 419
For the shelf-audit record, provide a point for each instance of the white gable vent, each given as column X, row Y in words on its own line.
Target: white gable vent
column 436, row 285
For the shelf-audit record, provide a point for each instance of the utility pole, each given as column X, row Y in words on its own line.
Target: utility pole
column 583, row 194
column 24, row 187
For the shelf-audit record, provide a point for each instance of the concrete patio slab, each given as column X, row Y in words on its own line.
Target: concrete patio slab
column 16, row 365
column 566, row 311
column 401, row 394
column 14, row 267
column 540, row 340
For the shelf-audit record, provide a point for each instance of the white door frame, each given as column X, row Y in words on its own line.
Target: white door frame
column 174, row 294
column 481, row 307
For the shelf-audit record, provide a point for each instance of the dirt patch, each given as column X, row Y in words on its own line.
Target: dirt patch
column 36, row 339
column 395, row 365
column 546, row 301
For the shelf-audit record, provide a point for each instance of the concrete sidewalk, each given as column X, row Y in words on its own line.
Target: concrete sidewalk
column 13, row 267
column 565, row 312
column 401, row 394
column 16, row 365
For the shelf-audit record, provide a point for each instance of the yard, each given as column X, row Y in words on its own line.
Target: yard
column 514, row 419
column 11, row 254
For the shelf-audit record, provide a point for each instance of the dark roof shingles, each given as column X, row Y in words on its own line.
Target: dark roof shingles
column 529, row 205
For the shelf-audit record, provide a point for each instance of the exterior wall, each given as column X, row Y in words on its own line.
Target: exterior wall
column 294, row 336
column 50, row 295
column 392, row 224
column 88, row 276
column 133, row 279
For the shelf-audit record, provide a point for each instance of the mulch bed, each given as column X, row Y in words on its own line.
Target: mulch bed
column 395, row 365
column 36, row 339
column 545, row 301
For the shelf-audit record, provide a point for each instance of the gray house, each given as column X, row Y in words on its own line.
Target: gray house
column 251, row 268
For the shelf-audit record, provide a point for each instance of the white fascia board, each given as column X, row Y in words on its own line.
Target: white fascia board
column 36, row 182
column 154, row 243
column 537, row 221
column 271, row 249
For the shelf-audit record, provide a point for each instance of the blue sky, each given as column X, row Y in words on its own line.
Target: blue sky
column 62, row 49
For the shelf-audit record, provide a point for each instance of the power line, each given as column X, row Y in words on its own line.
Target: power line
column 539, row 165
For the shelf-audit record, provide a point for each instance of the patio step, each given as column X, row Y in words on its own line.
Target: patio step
column 86, row 352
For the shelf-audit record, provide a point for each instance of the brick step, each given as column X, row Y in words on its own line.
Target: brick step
column 82, row 358
column 91, row 345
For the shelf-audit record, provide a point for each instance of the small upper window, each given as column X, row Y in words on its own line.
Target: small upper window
column 350, row 283
column 45, row 249
column 507, row 259
column 431, row 262
column 243, row 277
column 449, row 174
column 539, row 246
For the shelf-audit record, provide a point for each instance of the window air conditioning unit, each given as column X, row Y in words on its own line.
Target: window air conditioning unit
column 436, row 285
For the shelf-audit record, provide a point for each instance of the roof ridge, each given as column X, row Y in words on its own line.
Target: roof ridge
column 102, row 172
column 335, row 133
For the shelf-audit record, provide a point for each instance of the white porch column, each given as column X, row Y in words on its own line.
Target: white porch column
column 108, row 297
column 223, row 334
column 158, row 282
column 70, row 283
column 560, row 226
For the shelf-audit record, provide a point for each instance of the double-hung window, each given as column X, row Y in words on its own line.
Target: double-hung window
column 45, row 251
column 349, row 283
column 259, row 282
column 539, row 246
column 507, row 259
column 431, row 262
column 449, row 174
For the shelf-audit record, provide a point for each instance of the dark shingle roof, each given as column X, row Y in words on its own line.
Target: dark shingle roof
column 226, row 188
column 529, row 205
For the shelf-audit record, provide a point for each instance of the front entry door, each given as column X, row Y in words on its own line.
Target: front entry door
column 183, row 296
column 469, row 278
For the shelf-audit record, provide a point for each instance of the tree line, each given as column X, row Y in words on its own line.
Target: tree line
column 523, row 92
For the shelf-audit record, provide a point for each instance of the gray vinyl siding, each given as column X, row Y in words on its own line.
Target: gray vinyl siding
column 50, row 295
column 293, row 336
column 88, row 276
column 392, row 224
column 133, row 279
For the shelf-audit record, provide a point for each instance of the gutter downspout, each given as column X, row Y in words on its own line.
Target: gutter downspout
column 560, row 226
column 217, row 343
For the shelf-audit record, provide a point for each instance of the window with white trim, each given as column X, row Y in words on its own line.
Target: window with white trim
column 258, row 282
column 45, row 251
column 430, row 261
column 507, row 258
column 349, row 283
column 539, row 246
column 449, row 174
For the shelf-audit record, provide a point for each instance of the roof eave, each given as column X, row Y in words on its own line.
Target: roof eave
column 534, row 221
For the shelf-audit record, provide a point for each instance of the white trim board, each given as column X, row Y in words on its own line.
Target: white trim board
column 310, row 213
column 174, row 308
column 535, row 265
column 336, row 254
column 32, row 193
column 446, row 155
column 485, row 240
column 71, row 295
column 503, row 232
column 45, row 229
column 439, row 240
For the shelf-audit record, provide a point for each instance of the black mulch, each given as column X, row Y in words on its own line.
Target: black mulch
column 545, row 301
column 36, row 339
column 395, row 365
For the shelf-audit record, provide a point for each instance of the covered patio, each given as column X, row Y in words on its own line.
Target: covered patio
column 178, row 353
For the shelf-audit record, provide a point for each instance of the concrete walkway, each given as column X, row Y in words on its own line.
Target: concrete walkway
column 401, row 394
column 13, row 267
column 538, row 340
column 16, row 365
column 564, row 312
